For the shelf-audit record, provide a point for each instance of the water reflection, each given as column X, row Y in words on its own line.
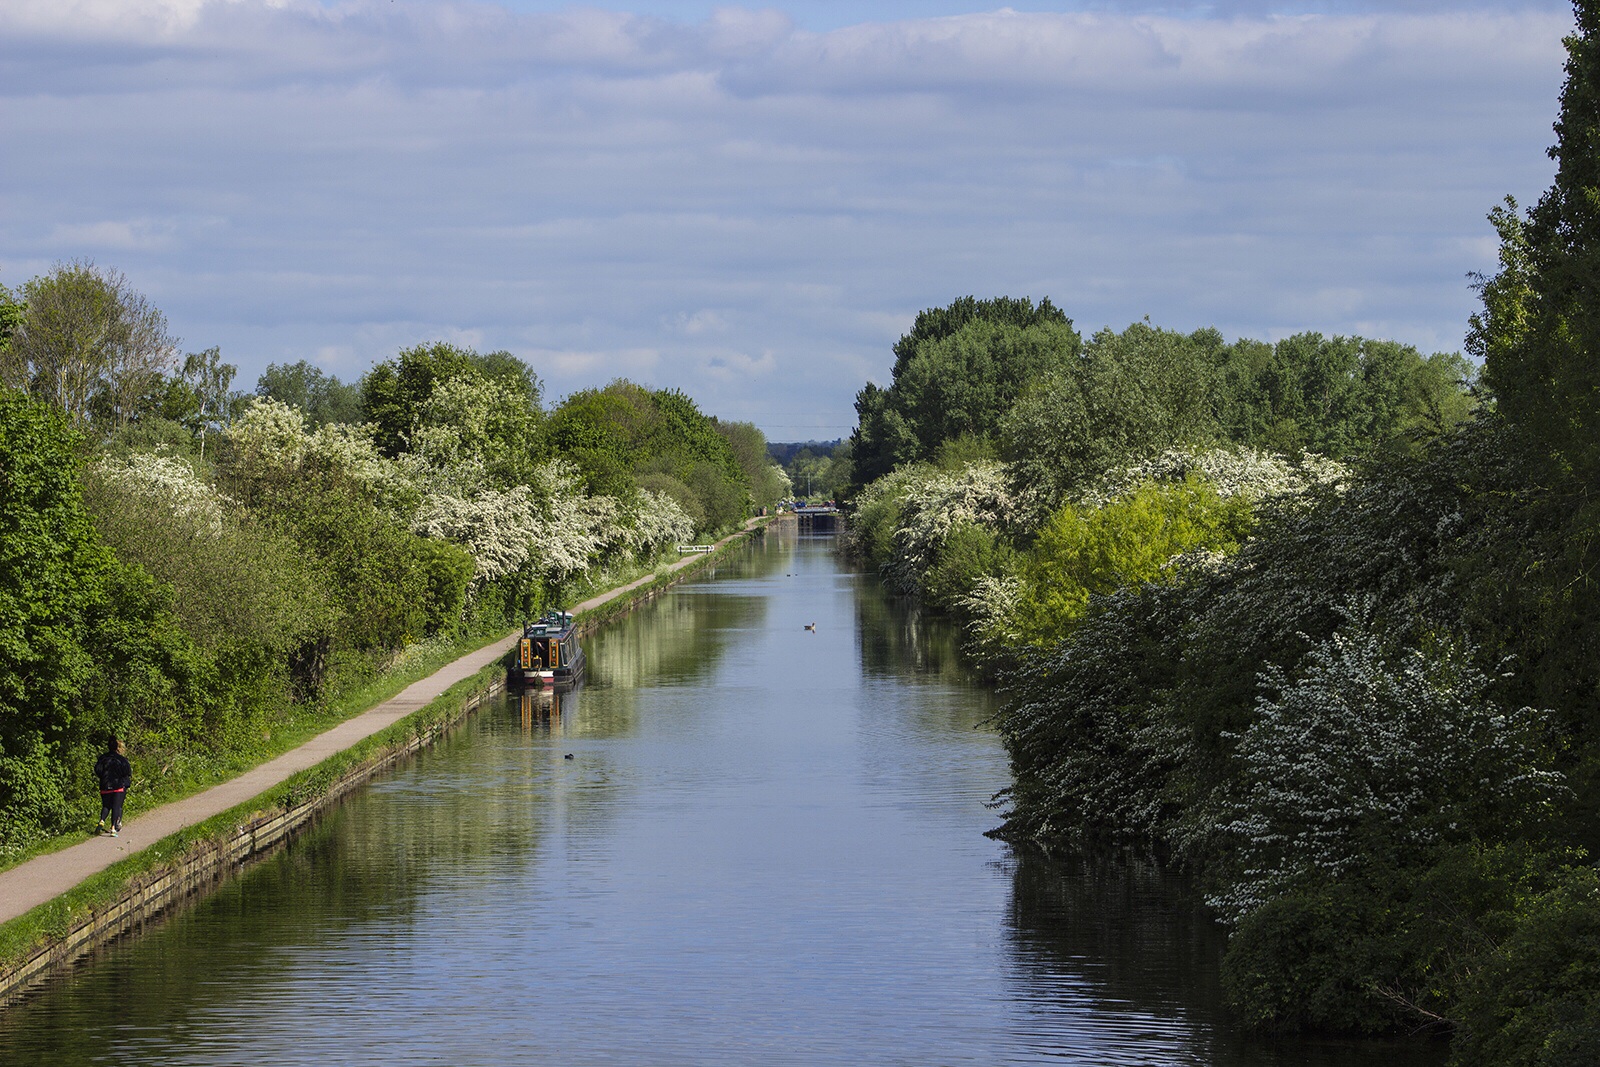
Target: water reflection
column 679, row 638
column 755, row 834
column 901, row 640
column 1120, row 940
column 543, row 707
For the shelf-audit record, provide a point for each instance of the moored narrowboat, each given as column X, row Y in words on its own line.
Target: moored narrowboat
column 549, row 653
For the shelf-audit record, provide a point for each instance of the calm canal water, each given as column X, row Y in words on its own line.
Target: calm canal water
column 741, row 842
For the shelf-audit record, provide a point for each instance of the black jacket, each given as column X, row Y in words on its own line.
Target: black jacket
column 114, row 772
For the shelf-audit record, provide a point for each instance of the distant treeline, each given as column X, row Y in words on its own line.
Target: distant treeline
column 783, row 452
column 196, row 568
column 1318, row 620
column 817, row 470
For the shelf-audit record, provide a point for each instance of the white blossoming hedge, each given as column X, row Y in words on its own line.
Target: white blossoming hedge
column 1233, row 472
column 169, row 480
column 443, row 489
column 933, row 506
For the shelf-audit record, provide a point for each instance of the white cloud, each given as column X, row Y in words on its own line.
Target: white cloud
column 730, row 366
column 701, row 322
column 134, row 234
column 606, row 193
column 570, row 370
column 127, row 19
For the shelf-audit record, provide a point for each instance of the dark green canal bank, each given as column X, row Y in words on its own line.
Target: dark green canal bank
column 741, row 841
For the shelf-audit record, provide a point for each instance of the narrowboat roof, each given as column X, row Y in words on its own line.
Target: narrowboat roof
column 552, row 622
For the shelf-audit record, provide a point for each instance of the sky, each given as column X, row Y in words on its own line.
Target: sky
column 751, row 204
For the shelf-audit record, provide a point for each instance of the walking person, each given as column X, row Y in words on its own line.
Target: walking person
column 115, row 774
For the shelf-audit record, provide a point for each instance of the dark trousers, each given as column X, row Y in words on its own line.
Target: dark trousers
column 111, row 804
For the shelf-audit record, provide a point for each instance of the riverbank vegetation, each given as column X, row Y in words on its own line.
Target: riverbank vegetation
column 210, row 574
column 1318, row 619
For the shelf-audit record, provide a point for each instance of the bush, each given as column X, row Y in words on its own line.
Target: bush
column 969, row 554
column 1314, row 959
column 1085, row 551
column 1094, row 748
column 1535, row 1000
column 1372, row 755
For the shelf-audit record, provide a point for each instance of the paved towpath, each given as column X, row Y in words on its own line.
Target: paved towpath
column 43, row 878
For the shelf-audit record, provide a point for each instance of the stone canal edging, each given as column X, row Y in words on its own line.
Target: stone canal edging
column 125, row 896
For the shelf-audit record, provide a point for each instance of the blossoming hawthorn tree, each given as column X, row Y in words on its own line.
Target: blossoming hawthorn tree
column 1375, row 755
column 933, row 506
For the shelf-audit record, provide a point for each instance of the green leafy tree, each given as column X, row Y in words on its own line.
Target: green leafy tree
column 937, row 324
column 348, row 512
column 86, row 334
column 619, row 418
column 480, row 424
column 957, row 372
column 821, row 473
column 11, row 312
column 1538, row 332
column 1540, row 327
column 322, row 396
column 1535, row 999
column 395, row 394
column 625, row 436
column 209, row 380
column 242, row 591
column 1084, row 552
column 766, row 481
column 1338, row 396
column 1130, row 394
column 52, row 575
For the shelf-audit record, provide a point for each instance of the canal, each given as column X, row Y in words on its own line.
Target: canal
column 742, row 841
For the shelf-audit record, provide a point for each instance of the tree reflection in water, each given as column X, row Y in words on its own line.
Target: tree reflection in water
column 1125, row 935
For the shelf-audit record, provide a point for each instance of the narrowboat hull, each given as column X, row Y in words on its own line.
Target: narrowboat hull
column 560, row 676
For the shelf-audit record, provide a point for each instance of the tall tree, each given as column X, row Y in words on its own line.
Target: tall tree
column 52, row 569
column 395, row 394
column 1129, row 394
column 956, row 373
column 210, row 379
column 87, row 334
column 765, row 479
column 1539, row 333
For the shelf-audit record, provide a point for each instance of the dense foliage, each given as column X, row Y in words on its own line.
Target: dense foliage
column 196, row 568
column 956, row 374
column 1316, row 621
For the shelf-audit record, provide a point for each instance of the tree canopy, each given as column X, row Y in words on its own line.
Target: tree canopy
column 1539, row 331
column 956, row 373
column 87, row 339
column 322, row 396
column 625, row 436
